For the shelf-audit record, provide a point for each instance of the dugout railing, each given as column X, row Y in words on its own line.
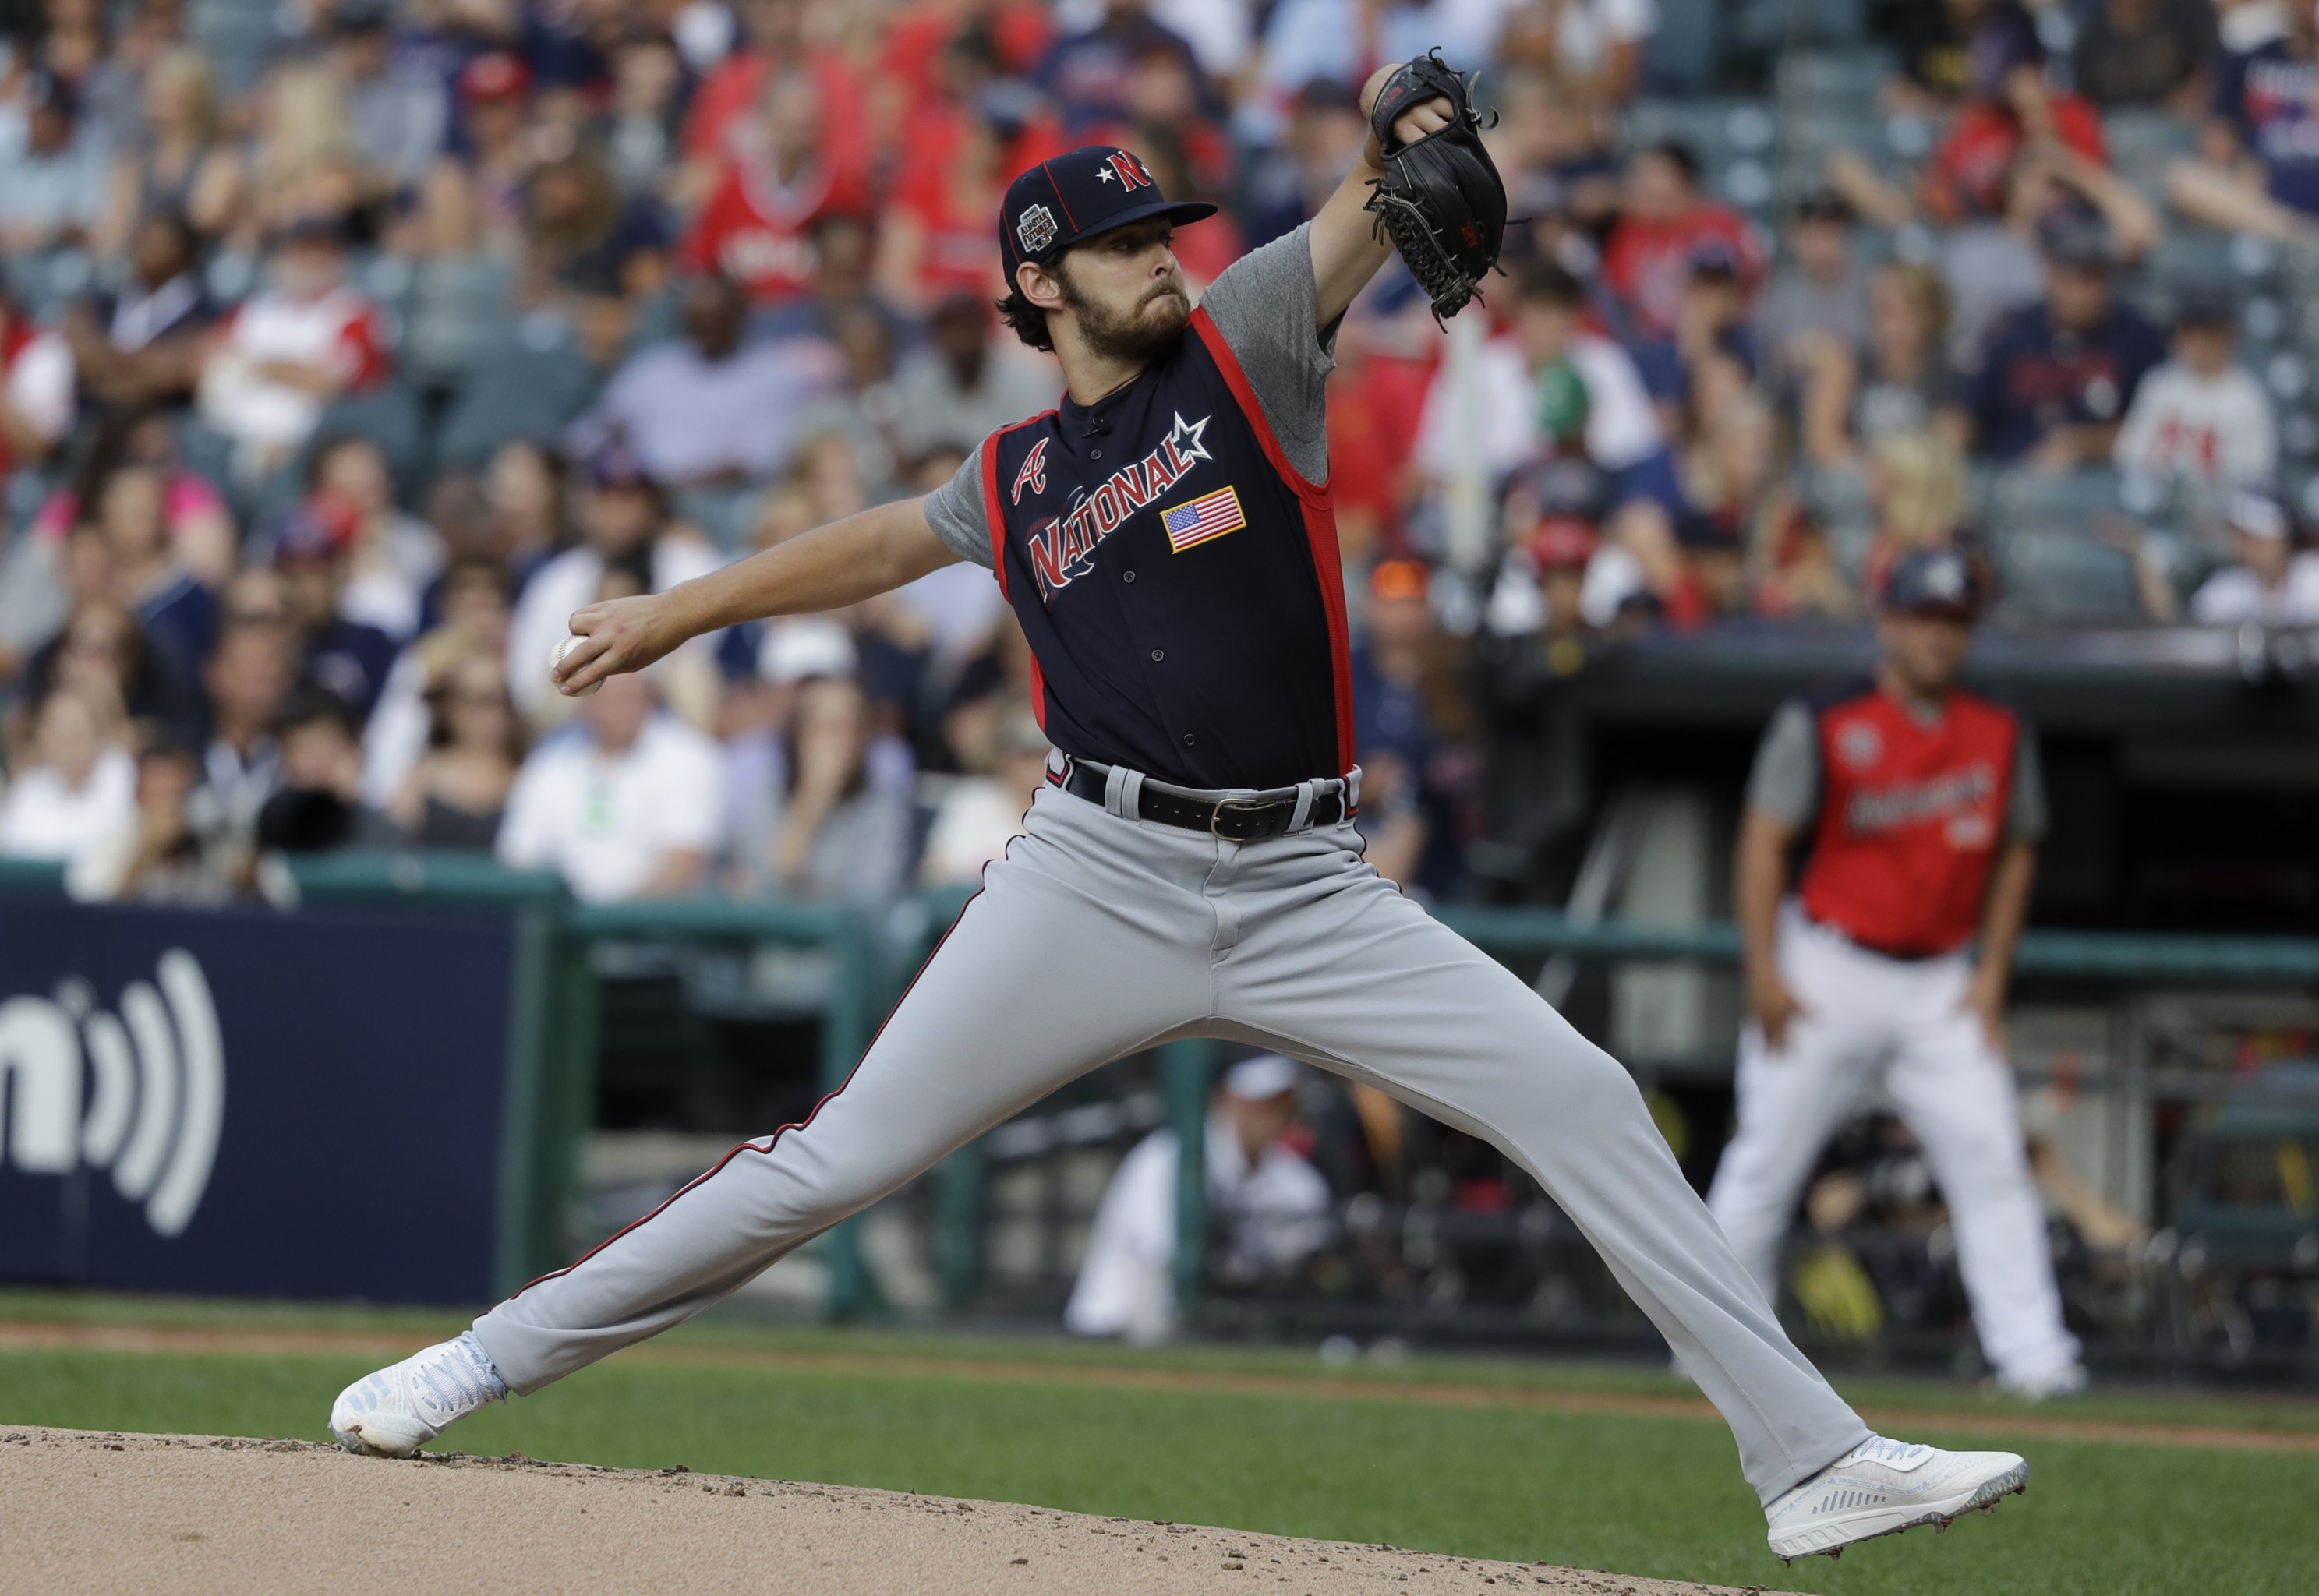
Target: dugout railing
column 555, row 1036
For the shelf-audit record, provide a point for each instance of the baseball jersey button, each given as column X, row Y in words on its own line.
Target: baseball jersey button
column 1189, row 739
column 1127, row 576
column 1158, row 654
column 1094, row 454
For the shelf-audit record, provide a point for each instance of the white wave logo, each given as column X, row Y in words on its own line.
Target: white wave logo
column 156, row 1088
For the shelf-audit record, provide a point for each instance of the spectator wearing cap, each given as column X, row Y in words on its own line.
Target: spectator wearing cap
column 52, row 180
column 962, row 384
column 2009, row 107
column 1947, row 48
column 2200, row 417
column 1818, row 294
column 622, row 517
column 2147, row 52
column 291, row 349
column 1646, row 261
column 492, row 136
column 1711, row 323
column 2268, row 583
column 396, row 108
column 1270, row 1203
column 2258, row 167
column 2058, row 377
column 313, row 556
column 709, row 409
column 624, row 803
column 757, row 225
column 143, row 345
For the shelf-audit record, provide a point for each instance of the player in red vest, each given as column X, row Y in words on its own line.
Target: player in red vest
column 1922, row 804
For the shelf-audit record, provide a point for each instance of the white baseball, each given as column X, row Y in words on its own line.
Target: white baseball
column 555, row 659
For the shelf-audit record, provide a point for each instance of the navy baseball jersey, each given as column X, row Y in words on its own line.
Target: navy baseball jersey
column 1173, row 563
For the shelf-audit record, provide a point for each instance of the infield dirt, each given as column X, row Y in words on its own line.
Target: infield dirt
column 88, row 1511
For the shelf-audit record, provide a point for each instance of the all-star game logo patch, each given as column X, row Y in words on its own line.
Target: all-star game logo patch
column 1034, row 230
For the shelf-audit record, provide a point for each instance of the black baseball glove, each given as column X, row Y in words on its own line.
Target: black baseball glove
column 1440, row 198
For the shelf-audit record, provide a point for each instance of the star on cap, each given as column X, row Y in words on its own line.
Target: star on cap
column 1103, row 174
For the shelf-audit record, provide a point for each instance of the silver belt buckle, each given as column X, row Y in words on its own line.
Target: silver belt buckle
column 1216, row 814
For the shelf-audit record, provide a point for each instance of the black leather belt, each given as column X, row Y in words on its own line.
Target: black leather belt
column 1250, row 818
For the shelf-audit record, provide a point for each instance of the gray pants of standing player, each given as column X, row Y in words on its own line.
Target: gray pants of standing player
column 1099, row 935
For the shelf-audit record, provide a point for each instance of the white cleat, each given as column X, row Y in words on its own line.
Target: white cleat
column 1882, row 1487
column 400, row 1409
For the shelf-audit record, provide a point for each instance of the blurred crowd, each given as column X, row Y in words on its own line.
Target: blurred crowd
column 348, row 346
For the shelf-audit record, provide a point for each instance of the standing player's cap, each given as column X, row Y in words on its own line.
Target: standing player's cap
column 1932, row 581
column 1071, row 198
column 1267, row 1075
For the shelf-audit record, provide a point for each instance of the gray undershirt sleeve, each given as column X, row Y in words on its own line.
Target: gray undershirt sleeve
column 1785, row 781
column 2024, row 813
column 958, row 515
column 1266, row 305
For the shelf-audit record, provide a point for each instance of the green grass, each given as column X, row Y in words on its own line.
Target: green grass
column 1657, row 1496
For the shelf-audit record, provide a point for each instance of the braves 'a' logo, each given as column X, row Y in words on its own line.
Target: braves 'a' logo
column 1034, row 472
column 1128, row 170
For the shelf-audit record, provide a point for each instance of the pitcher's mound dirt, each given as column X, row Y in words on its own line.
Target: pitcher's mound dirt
column 102, row 1513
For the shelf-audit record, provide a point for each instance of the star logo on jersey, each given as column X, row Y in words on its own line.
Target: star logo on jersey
column 1063, row 550
column 1033, row 474
column 1860, row 746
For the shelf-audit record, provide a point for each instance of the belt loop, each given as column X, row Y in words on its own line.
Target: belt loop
column 1352, row 791
column 1115, row 778
column 1306, row 792
column 1131, row 795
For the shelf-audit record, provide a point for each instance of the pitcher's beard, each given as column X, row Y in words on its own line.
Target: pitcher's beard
column 1140, row 337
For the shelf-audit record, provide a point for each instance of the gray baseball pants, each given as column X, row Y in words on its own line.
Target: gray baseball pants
column 1099, row 935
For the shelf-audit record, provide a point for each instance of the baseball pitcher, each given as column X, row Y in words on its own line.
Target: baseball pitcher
column 1922, row 806
column 1165, row 537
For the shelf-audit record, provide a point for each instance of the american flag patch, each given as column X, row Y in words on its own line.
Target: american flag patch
column 1212, row 515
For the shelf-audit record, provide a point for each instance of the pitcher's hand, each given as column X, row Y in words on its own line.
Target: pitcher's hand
column 617, row 635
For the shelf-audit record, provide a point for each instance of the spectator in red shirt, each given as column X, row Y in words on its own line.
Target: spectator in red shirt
column 2011, row 107
column 757, row 226
column 1646, row 263
column 719, row 133
column 935, row 239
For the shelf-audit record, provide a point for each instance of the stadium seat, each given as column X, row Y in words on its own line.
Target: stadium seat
column 454, row 308
column 1682, row 56
column 238, row 36
column 1826, row 82
column 531, row 384
column 2063, row 574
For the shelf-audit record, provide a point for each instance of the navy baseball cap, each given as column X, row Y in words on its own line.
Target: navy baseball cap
column 1078, row 195
column 1932, row 581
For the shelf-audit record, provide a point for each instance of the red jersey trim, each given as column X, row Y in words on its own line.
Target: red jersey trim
column 995, row 520
column 1320, row 527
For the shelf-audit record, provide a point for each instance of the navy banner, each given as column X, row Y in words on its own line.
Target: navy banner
column 307, row 1104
